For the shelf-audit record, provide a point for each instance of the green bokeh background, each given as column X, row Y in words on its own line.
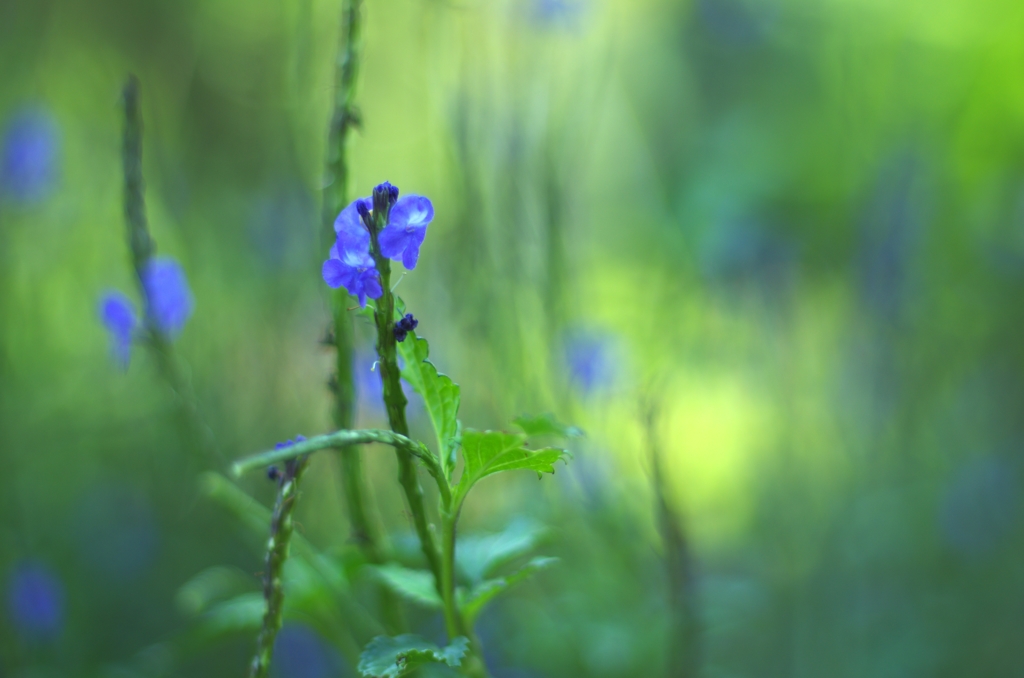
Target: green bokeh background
column 793, row 228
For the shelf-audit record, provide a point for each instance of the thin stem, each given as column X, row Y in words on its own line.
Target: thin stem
column 684, row 659
column 346, row 438
column 143, row 248
column 281, row 528
column 394, row 398
column 344, row 119
column 452, row 619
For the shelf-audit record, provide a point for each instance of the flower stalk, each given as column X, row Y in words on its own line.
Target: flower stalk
column 384, row 197
column 143, row 249
column 281, row 528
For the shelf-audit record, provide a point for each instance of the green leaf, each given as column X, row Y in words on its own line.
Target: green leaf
column 474, row 602
column 211, row 586
column 416, row 585
column 545, row 425
column 478, row 556
column 489, row 452
column 242, row 613
column 390, row 657
column 440, row 395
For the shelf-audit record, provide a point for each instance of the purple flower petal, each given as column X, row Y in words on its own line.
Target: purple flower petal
column 36, row 600
column 28, row 163
column 335, row 273
column 412, row 210
column 412, row 252
column 118, row 316
column 355, row 271
column 169, row 301
column 407, row 227
column 352, row 234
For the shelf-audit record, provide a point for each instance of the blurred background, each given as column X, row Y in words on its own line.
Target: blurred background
column 768, row 254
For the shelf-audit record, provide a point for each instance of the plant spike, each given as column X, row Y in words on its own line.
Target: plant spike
column 384, row 196
column 344, row 118
column 143, row 249
column 281, row 527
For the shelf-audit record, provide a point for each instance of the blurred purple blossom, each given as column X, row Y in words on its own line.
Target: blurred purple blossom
column 169, row 301
column 118, row 316
column 31, row 149
column 168, row 307
column 407, row 227
column 35, row 600
column 559, row 13
column 591, row 359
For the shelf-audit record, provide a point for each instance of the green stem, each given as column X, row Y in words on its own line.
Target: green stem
column 394, row 398
column 344, row 119
column 452, row 619
column 281, row 528
column 200, row 437
column 345, row 438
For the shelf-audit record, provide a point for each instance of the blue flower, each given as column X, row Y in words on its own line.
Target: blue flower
column 406, row 229
column 350, row 264
column 30, row 151
column 353, row 270
column 591, row 359
column 168, row 298
column 118, row 317
column 168, row 306
column 352, row 234
column 35, row 600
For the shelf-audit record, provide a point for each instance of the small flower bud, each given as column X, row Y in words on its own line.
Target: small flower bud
column 400, row 334
column 273, row 473
column 363, row 210
column 384, row 196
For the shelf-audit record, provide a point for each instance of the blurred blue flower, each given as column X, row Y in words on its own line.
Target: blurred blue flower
column 300, row 652
column 352, row 234
column 406, row 229
column 168, row 306
column 557, row 12
column 169, row 301
column 979, row 508
column 591, row 360
column 30, row 154
column 118, row 316
column 35, row 600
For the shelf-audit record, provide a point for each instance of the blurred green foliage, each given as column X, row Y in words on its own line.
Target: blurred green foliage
column 796, row 227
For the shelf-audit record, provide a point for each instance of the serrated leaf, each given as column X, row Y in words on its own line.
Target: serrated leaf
column 440, row 394
column 479, row 555
column 474, row 602
column 390, row 657
column 415, row 585
column 545, row 425
column 489, row 452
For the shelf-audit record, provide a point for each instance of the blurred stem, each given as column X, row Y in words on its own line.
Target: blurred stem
column 281, row 527
column 394, row 398
column 454, row 622
column 684, row 646
column 344, row 118
column 200, row 437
